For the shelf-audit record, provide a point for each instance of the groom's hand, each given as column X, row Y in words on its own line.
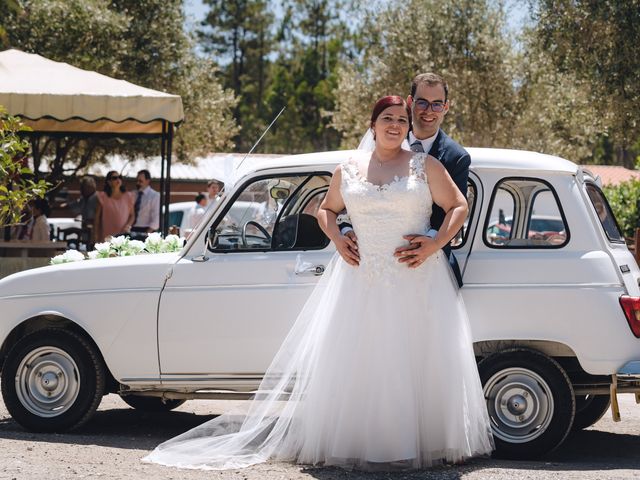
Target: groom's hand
column 347, row 246
column 419, row 249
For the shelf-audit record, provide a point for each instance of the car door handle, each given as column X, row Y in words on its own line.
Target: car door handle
column 315, row 270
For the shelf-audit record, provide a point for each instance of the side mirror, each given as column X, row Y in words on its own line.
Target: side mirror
column 279, row 193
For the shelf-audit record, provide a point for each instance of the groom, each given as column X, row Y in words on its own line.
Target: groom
column 429, row 103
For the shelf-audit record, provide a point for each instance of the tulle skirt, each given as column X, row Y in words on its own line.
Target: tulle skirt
column 378, row 372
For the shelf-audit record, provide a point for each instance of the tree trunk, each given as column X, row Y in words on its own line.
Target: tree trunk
column 625, row 157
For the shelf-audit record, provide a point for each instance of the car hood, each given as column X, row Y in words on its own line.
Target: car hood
column 117, row 273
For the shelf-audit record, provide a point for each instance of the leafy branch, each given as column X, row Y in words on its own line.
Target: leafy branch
column 17, row 188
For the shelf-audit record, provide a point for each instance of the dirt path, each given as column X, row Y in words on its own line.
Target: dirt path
column 111, row 446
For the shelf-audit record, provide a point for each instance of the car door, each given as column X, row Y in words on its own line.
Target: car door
column 462, row 243
column 224, row 314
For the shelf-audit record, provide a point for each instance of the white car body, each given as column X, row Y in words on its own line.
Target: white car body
column 203, row 321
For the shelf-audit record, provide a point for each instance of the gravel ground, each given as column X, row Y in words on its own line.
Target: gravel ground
column 113, row 442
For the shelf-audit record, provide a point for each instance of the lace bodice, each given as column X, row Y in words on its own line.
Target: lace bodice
column 381, row 215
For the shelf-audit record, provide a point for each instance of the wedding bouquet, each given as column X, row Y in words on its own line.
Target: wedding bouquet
column 123, row 246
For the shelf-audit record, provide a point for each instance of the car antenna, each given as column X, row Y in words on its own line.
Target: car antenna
column 261, row 136
column 203, row 257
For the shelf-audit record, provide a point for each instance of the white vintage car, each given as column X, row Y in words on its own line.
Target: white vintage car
column 555, row 313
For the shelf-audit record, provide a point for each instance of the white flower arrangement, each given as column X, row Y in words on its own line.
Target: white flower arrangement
column 68, row 256
column 123, row 246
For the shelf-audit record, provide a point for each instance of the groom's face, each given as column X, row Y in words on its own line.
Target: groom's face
column 425, row 121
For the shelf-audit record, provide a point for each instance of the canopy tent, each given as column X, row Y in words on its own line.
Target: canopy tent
column 58, row 99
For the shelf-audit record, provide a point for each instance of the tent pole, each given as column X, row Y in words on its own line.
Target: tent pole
column 167, row 197
column 163, row 211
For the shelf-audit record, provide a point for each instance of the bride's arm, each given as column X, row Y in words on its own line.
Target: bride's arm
column 328, row 212
column 447, row 196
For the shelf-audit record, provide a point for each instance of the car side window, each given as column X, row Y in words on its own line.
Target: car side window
column 273, row 213
column 605, row 214
column 525, row 213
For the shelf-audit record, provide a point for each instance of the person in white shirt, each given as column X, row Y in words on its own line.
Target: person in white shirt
column 146, row 206
column 37, row 228
column 198, row 210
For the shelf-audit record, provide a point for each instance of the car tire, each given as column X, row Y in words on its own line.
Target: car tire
column 530, row 402
column 590, row 409
column 151, row 404
column 53, row 380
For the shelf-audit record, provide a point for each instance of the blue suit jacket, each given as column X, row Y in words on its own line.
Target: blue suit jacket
column 456, row 160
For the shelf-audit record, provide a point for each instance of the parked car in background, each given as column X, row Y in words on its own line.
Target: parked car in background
column 58, row 223
column 555, row 318
column 181, row 215
column 541, row 227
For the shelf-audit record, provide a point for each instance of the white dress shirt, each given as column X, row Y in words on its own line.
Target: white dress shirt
column 149, row 213
column 427, row 143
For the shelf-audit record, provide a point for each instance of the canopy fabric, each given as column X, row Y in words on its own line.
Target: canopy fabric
column 58, row 97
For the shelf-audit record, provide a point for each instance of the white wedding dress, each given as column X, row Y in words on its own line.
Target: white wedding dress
column 378, row 370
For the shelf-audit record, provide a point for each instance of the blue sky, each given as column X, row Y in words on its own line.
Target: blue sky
column 516, row 12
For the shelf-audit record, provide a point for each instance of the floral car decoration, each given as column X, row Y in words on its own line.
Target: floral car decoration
column 123, row 246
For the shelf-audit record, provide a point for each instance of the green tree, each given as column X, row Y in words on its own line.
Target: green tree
column 16, row 185
column 597, row 42
column 237, row 34
column 555, row 112
column 463, row 40
column 141, row 41
column 7, row 8
column 315, row 41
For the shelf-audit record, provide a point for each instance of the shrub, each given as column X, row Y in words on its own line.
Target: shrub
column 624, row 199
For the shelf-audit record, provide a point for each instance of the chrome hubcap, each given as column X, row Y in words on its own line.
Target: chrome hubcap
column 520, row 404
column 47, row 381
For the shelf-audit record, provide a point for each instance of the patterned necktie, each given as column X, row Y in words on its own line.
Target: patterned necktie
column 136, row 207
column 417, row 147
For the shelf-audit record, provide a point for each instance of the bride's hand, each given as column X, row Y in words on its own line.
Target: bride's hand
column 419, row 249
column 347, row 246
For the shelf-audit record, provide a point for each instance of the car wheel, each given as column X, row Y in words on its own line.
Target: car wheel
column 52, row 380
column 151, row 404
column 530, row 402
column 590, row 409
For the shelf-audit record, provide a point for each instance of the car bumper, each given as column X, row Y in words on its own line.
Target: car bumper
column 630, row 369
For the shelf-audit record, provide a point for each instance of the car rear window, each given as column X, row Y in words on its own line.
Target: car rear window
column 604, row 213
column 525, row 213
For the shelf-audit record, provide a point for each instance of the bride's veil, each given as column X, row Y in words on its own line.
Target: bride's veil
column 265, row 427
column 368, row 143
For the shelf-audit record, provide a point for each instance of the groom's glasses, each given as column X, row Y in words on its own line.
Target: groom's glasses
column 422, row 104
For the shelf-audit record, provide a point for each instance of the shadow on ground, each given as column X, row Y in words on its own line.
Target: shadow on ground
column 127, row 428
column 118, row 428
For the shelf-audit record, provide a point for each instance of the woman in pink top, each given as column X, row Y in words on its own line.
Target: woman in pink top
column 114, row 214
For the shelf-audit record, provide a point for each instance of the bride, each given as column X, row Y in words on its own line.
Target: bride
column 378, row 371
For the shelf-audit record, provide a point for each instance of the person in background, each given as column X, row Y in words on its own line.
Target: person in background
column 198, row 210
column 146, row 208
column 114, row 214
column 37, row 228
column 87, row 204
column 214, row 189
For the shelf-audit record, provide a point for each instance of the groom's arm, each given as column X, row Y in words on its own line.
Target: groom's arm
column 344, row 222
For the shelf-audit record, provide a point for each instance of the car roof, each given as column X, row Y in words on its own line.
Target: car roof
column 481, row 159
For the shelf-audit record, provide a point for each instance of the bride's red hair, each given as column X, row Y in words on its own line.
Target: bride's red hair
column 386, row 102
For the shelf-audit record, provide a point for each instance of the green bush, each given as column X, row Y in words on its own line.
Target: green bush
column 623, row 199
column 16, row 186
